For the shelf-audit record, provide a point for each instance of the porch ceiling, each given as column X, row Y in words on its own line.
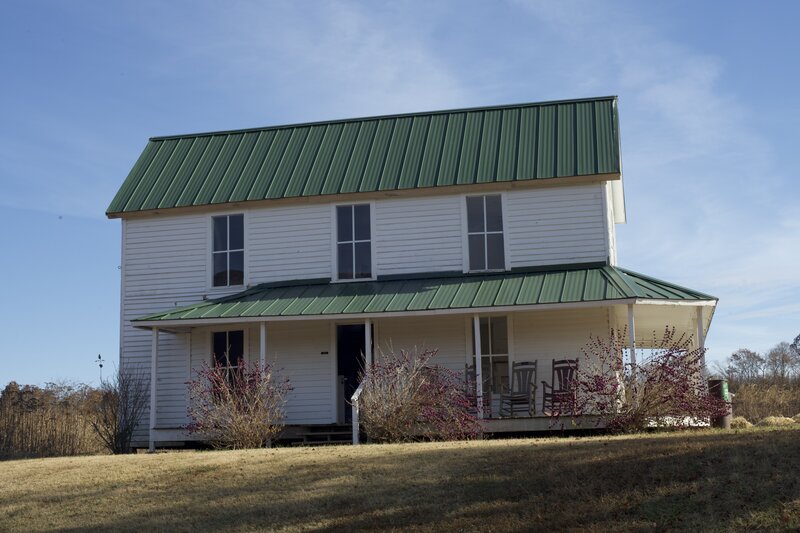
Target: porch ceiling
column 432, row 293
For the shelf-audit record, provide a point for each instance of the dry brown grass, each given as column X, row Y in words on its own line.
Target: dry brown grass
column 708, row 480
column 740, row 422
column 756, row 401
column 776, row 421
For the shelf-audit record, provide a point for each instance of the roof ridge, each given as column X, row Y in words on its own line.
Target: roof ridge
column 384, row 117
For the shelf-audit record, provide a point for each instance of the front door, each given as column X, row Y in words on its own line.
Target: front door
column 350, row 359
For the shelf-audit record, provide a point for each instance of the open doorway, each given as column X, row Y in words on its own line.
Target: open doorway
column 350, row 349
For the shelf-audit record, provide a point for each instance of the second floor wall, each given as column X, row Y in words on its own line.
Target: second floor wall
column 171, row 255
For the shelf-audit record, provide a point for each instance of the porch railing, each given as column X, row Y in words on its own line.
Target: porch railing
column 354, row 403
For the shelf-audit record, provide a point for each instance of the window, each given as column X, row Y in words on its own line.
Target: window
column 228, row 348
column 353, row 242
column 485, row 233
column 494, row 352
column 228, row 251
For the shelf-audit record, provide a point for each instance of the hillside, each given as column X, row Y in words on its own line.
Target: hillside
column 701, row 480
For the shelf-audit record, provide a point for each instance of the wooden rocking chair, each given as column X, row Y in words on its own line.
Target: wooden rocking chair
column 558, row 396
column 522, row 393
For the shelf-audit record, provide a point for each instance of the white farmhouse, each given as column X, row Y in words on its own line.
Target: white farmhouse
column 486, row 233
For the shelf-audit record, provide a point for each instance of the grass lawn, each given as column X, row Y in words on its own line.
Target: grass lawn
column 707, row 480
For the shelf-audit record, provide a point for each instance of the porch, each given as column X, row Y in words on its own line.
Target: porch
column 299, row 330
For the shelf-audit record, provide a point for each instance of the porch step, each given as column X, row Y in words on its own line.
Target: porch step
column 325, row 435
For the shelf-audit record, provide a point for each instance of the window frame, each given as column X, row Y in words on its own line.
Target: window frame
column 335, row 243
column 228, row 330
column 210, row 250
column 465, row 233
column 488, row 357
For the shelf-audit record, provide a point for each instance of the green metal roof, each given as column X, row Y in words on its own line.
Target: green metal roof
column 419, row 150
column 435, row 293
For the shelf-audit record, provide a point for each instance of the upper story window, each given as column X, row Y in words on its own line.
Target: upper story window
column 228, row 251
column 353, row 242
column 485, row 233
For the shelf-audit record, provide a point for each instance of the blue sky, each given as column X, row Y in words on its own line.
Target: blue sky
column 708, row 112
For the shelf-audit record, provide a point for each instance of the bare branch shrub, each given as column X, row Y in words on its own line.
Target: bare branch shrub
column 238, row 407
column 667, row 389
column 120, row 405
column 405, row 398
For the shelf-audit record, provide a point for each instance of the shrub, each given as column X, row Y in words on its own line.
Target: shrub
column 740, row 422
column 796, row 418
column 119, row 407
column 667, row 389
column 238, row 407
column 776, row 421
column 404, row 398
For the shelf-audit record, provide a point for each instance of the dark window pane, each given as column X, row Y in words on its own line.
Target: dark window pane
column 220, row 233
column 494, row 214
column 236, row 232
column 362, row 222
column 499, row 335
column 474, row 213
column 220, row 269
column 344, row 223
column 486, row 374
column 235, row 346
column 345, row 260
column 499, row 373
column 485, row 348
column 495, row 251
column 236, row 268
column 220, row 348
column 363, row 260
column 477, row 255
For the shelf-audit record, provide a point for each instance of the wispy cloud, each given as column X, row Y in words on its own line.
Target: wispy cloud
column 701, row 181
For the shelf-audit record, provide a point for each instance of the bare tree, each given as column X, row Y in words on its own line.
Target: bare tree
column 746, row 365
column 779, row 362
column 123, row 400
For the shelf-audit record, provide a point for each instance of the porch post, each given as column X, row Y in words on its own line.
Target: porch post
column 632, row 336
column 153, row 381
column 368, row 342
column 262, row 347
column 701, row 339
column 476, row 331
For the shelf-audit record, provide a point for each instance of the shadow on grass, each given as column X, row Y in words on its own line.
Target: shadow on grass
column 705, row 481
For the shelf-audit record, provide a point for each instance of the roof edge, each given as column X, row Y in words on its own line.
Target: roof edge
column 614, row 98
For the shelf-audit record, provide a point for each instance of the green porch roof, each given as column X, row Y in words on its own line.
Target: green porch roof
column 325, row 299
column 418, row 150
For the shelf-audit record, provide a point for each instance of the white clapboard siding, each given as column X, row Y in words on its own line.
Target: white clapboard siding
column 301, row 351
column 443, row 333
column 560, row 334
column 556, row 226
column 165, row 256
column 289, row 243
column 418, row 235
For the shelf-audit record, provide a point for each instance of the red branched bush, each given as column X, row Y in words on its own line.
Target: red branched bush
column 238, row 407
column 405, row 398
column 667, row 388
